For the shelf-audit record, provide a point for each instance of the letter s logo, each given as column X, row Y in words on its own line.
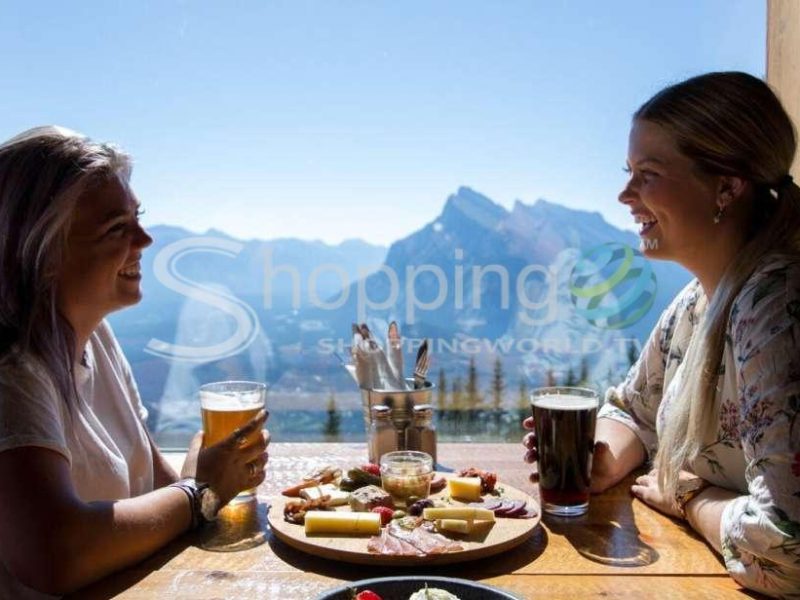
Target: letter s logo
column 166, row 272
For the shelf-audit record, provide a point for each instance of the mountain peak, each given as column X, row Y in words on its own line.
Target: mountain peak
column 544, row 208
column 476, row 207
column 218, row 233
column 356, row 244
column 542, row 203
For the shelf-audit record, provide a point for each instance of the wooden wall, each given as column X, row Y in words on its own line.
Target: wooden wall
column 783, row 59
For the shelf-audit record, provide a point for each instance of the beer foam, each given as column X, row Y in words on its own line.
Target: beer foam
column 565, row 402
column 230, row 401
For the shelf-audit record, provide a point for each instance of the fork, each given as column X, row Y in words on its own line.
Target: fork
column 421, row 365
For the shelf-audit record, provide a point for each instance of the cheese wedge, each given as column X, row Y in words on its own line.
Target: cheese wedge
column 338, row 497
column 466, row 513
column 466, row 488
column 454, row 525
column 324, row 521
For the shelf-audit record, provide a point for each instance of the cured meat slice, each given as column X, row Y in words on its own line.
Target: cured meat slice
column 424, row 540
column 490, row 504
column 400, row 541
column 504, row 507
column 516, row 507
column 390, row 545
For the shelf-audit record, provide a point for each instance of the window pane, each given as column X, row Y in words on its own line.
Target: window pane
column 453, row 166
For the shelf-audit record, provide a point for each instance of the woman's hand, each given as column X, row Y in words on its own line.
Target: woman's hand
column 234, row 464
column 605, row 471
column 529, row 441
column 647, row 490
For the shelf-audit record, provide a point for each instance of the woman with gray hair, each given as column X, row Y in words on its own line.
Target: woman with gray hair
column 714, row 399
column 85, row 490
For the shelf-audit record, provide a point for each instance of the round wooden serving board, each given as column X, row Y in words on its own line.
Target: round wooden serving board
column 493, row 538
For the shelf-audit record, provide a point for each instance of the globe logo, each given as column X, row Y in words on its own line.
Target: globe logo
column 612, row 286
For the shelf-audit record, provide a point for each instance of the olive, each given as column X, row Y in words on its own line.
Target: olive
column 398, row 514
column 415, row 510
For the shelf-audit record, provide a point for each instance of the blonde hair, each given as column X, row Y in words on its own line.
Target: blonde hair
column 43, row 172
column 728, row 124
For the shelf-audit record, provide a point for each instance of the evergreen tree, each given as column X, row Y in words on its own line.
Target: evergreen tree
column 441, row 392
column 550, row 379
column 473, row 399
column 610, row 380
column 583, row 379
column 523, row 401
column 455, row 413
column 633, row 353
column 571, row 379
column 457, row 395
column 498, row 385
column 333, row 421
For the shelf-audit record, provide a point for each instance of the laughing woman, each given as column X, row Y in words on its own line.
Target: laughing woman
column 714, row 401
column 84, row 490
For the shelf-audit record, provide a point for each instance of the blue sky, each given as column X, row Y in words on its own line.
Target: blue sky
column 341, row 119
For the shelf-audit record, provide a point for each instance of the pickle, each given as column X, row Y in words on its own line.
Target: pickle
column 348, row 485
column 363, row 478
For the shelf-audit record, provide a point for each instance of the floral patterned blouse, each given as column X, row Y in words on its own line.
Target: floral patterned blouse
column 756, row 448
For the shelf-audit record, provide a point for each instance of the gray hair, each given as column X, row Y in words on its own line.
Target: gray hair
column 43, row 172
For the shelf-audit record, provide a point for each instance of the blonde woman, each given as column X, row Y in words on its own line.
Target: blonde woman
column 713, row 403
column 84, row 490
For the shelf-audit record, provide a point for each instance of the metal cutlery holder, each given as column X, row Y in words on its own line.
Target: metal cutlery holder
column 402, row 403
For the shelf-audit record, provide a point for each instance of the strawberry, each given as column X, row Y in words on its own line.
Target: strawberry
column 372, row 469
column 385, row 512
column 367, row 595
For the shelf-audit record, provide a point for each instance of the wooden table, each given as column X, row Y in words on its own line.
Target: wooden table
column 620, row 549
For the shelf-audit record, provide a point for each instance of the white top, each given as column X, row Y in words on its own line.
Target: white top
column 102, row 436
column 755, row 448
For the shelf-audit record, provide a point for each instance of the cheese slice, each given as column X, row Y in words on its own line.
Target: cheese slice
column 324, row 521
column 454, row 525
column 467, row 513
column 466, row 488
column 338, row 497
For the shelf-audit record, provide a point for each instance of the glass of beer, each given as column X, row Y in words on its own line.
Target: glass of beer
column 226, row 406
column 564, row 420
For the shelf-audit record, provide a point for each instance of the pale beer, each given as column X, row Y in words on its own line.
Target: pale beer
column 226, row 406
column 220, row 421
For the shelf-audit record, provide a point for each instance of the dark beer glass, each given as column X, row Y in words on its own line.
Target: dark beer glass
column 565, row 419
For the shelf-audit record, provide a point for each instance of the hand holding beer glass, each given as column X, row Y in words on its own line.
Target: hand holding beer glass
column 232, row 416
column 564, row 420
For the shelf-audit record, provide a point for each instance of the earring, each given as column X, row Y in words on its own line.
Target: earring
column 718, row 216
